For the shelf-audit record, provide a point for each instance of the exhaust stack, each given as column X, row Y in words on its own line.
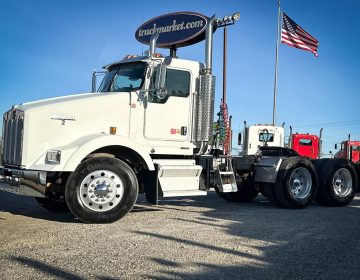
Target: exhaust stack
column 152, row 48
column 320, row 143
column 206, row 95
column 349, row 149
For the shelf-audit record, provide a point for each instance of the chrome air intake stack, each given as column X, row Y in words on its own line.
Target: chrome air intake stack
column 205, row 108
column 206, row 95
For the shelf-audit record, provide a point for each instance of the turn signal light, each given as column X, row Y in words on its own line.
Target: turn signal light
column 112, row 130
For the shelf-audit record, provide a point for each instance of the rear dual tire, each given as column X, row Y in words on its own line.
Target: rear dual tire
column 295, row 186
column 247, row 190
column 357, row 168
column 244, row 194
column 338, row 183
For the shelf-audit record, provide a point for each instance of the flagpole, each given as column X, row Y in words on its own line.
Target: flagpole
column 276, row 64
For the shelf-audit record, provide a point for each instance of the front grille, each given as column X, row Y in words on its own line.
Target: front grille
column 13, row 127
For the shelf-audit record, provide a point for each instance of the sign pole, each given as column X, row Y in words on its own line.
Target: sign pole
column 276, row 65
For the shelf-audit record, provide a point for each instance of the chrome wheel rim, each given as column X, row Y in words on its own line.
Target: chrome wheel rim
column 342, row 182
column 300, row 183
column 101, row 190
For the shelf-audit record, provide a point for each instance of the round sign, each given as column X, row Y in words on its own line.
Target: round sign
column 175, row 29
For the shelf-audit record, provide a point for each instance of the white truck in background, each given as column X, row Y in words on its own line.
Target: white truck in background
column 260, row 135
column 147, row 130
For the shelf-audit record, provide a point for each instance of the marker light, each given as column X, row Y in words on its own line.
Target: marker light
column 112, row 130
column 53, row 157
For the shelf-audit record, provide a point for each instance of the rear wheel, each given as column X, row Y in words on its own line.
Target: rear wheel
column 221, row 194
column 319, row 163
column 296, row 183
column 101, row 190
column 267, row 190
column 247, row 190
column 357, row 169
column 244, row 194
column 337, row 183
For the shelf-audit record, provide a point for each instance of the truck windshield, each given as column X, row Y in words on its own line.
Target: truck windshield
column 124, row 77
column 266, row 137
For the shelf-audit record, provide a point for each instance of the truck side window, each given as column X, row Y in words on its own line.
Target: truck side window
column 177, row 83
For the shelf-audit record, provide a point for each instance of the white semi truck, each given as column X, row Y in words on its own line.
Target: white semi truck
column 261, row 135
column 147, row 130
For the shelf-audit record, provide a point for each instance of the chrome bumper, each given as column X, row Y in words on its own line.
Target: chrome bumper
column 23, row 182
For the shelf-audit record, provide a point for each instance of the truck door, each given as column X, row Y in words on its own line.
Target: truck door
column 307, row 147
column 355, row 152
column 169, row 118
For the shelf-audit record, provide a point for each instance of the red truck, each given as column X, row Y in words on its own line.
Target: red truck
column 349, row 149
column 307, row 145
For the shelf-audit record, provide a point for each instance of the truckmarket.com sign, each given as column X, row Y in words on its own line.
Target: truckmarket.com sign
column 175, row 29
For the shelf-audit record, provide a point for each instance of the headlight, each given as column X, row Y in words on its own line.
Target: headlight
column 53, row 157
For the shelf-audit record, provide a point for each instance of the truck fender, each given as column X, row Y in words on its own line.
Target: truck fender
column 89, row 146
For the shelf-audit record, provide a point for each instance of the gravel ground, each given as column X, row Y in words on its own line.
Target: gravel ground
column 182, row 238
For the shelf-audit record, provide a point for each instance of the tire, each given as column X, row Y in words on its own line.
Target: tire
column 296, row 183
column 337, row 183
column 267, row 190
column 52, row 204
column 357, row 169
column 101, row 190
column 262, row 190
column 247, row 189
column 245, row 193
column 319, row 163
column 221, row 194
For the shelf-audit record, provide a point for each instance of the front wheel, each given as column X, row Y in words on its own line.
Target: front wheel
column 101, row 190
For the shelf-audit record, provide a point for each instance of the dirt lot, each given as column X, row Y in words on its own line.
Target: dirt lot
column 188, row 238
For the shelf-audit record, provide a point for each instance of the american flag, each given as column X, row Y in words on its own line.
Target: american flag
column 294, row 36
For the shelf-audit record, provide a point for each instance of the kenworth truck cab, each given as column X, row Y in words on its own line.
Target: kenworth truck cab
column 148, row 130
column 125, row 119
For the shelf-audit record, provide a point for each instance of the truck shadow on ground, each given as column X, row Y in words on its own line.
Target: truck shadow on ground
column 312, row 243
column 27, row 206
column 51, row 270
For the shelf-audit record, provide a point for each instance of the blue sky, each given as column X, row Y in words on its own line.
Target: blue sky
column 49, row 48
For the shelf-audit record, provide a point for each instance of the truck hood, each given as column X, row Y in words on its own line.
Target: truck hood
column 56, row 100
column 56, row 122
